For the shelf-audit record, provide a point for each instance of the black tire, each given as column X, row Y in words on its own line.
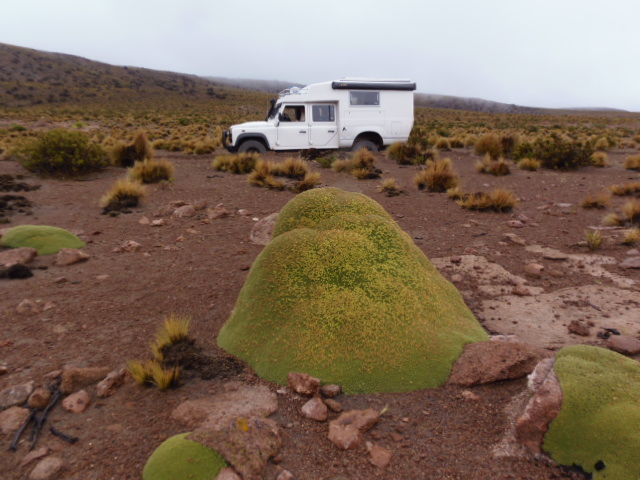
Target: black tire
column 360, row 144
column 252, row 146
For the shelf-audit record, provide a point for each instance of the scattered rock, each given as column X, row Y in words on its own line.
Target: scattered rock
column 170, row 208
column 515, row 224
column 69, row 256
column 243, row 212
column 347, row 431
column 304, row 384
column 624, row 344
column 144, row 221
column 543, row 407
column 631, row 262
column 555, row 255
column 111, row 383
column 15, row 395
column 40, row 398
column 513, row 238
column 34, row 455
column 199, row 205
column 12, row 419
column 76, row 378
column 3, row 370
column 186, row 211
column 534, row 270
column 14, row 256
column 158, row 223
column 284, row 475
column 228, row 473
column 27, row 307
column 578, row 328
column 47, row 469
column 263, row 229
column 378, row 456
column 218, row 212
column 315, row 409
column 129, row 246
column 469, row 395
column 333, row 405
column 488, row 362
column 331, row 391
column 521, row 291
column 77, row 402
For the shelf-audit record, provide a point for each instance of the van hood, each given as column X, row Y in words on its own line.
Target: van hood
column 250, row 125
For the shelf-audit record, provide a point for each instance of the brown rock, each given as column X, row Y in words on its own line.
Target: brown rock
column 513, row 238
column 285, row 475
column 69, row 256
column 200, row 205
column 186, row 211
column 347, row 431
column 228, row 473
column 3, row 370
column 218, row 212
column 543, row 407
column 77, row 402
column 40, row 398
column 15, row 256
column 304, row 384
column 144, row 221
column 315, row 409
column 333, row 405
column 378, row 456
column 624, row 344
column 521, row 291
column 161, row 222
column 487, row 362
column 34, row 455
column 12, row 419
column 27, row 307
column 243, row 212
column 515, row 224
column 129, row 246
column 47, row 469
column 76, row 378
column 631, row 262
column 263, row 229
column 111, row 383
column 15, row 395
column 331, row 391
column 534, row 270
column 469, row 395
column 578, row 328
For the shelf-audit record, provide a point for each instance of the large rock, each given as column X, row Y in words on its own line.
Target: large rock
column 12, row 419
column 303, row 383
column 76, row 378
column 315, row 409
column 77, row 402
column 488, row 362
column 342, row 293
column 16, row 395
column 69, row 256
column 347, row 431
column 46, row 240
column 47, row 469
column 17, row 255
column 624, row 344
column 263, row 229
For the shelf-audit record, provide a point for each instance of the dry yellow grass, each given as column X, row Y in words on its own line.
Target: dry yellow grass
column 438, row 176
column 124, row 193
column 600, row 200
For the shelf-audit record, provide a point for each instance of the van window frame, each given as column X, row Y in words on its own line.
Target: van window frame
column 365, row 94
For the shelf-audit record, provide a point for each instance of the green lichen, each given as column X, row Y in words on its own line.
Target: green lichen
column 344, row 294
column 46, row 240
column 598, row 427
column 179, row 457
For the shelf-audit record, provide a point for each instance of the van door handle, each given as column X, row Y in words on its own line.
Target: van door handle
column 331, row 131
column 302, row 131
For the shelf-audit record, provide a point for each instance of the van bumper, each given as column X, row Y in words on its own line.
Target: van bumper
column 227, row 141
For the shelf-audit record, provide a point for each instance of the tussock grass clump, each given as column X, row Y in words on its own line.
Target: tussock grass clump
column 602, row 143
column 530, row 164
column 294, row 168
column 269, row 175
column 556, row 152
column 360, row 165
column 632, row 162
column 164, row 378
column 261, row 176
column 174, row 329
column 124, row 194
column 390, row 187
column 310, row 180
column 631, row 211
column 594, row 239
column 455, row 193
column 600, row 200
column 631, row 237
column 403, row 153
column 152, row 171
column 61, row 153
column 236, row 163
column 494, row 167
column 438, row 176
column 612, row 220
column 125, row 155
column 600, row 160
column 499, row 200
column 443, row 143
column 142, row 372
column 624, row 189
column 489, row 144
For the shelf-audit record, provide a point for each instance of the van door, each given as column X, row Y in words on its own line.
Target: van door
column 323, row 127
column 293, row 128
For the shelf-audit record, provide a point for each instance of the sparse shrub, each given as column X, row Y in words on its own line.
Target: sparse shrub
column 530, row 164
column 600, row 159
column 629, row 188
column 238, row 164
column 631, row 237
column 261, row 176
column 509, row 143
column 310, row 180
column 403, row 153
column 164, row 378
column 455, row 193
column 594, row 239
column 295, row 168
column 601, row 200
column 124, row 194
column 602, row 144
column 430, row 154
column 556, row 152
column 499, row 200
column 125, row 155
column 326, row 161
column 493, row 167
column 490, row 144
column 612, row 220
column 61, row 153
column 142, row 372
column 456, row 142
column 443, row 143
column 632, row 162
column 174, row 329
column 359, row 165
column 390, row 187
column 152, row 171
column 631, row 211
column 439, row 176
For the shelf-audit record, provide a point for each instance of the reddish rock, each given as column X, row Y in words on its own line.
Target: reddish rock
column 347, row 431
column 218, row 212
column 624, row 344
column 263, row 229
column 378, row 456
column 303, row 383
column 534, row 270
column 469, row 395
column 513, row 238
column 34, row 455
column 76, row 378
column 12, row 419
column 521, row 291
column 69, row 256
column 111, row 383
column 315, row 409
column 47, row 469
column 631, row 262
column 15, row 256
column 15, row 395
column 40, row 398
column 285, row 475
column 578, row 328
column 27, row 307
column 186, row 211
column 487, row 362
column 333, row 405
column 77, row 402
column 228, row 473
column 129, row 246
column 515, row 224
column 331, row 391
column 543, row 407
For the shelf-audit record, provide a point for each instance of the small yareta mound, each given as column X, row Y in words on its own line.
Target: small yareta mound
column 179, row 457
column 598, row 427
column 343, row 294
column 46, row 240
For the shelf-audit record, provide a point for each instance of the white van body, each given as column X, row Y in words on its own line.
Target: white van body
column 348, row 113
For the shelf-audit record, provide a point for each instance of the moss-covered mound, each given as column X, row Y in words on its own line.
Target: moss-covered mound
column 179, row 457
column 46, row 240
column 342, row 293
column 598, row 427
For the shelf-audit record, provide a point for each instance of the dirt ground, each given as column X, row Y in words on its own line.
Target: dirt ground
column 106, row 311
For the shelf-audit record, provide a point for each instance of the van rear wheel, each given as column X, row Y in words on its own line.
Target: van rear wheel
column 252, row 146
column 360, row 144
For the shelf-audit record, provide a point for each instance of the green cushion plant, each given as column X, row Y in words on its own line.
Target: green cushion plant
column 342, row 293
column 598, row 427
column 46, row 240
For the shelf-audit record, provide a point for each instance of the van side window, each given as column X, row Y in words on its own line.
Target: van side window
column 365, row 98
column 293, row 113
column 323, row 113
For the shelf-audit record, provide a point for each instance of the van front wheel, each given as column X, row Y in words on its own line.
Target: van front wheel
column 360, row 144
column 252, row 146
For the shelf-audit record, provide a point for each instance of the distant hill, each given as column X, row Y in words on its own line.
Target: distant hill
column 269, row 86
column 470, row 104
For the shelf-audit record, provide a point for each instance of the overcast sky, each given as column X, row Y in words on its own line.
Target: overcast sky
column 541, row 53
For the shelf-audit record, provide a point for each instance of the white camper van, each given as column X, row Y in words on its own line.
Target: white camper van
column 348, row 113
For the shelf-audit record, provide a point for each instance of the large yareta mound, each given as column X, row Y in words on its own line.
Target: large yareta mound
column 598, row 427
column 45, row 239
column 342, row 293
